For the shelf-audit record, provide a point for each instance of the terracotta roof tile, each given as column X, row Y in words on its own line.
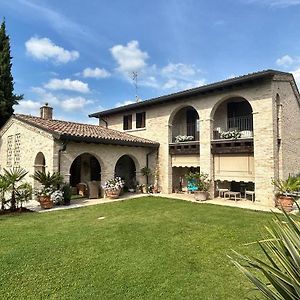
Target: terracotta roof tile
column 85, row 132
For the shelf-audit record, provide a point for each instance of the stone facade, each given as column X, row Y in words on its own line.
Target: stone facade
column 59, row 157
column 270, row 160
column 31, row 142
column 275, row 109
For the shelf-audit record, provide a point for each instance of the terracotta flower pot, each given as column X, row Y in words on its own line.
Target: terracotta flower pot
column 113, row 194
column 201, row 195
column 285, row 203
column 45, row 202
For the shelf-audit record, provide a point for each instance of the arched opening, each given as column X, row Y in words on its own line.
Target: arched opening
column 232, row 146
column 184, row 145
column 40, row 162
column 126, row 169
column 233, row 116
column 185, row 125
column 85, row 175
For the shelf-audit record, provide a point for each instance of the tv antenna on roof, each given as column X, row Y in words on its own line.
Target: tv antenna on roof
column 135, row 82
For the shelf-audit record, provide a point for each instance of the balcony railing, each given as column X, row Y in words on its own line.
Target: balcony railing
column 188, row 129
column 244, row 125
column 240, row 123
column 184, row 148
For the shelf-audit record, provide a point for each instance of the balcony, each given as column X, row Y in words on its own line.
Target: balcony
column 185, row 129
column 232, row 146
column 236, row 128
column 183, row 148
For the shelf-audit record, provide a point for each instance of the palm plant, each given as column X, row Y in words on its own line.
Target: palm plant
column 287, row 186
column 3, row 189
column 282, row 266
column 48, row 180
column 23, row 193
column 12, row 177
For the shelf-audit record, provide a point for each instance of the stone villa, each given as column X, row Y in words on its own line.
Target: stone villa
column 263, row 108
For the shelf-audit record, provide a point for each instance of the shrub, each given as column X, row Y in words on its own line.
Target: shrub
column 281, row 267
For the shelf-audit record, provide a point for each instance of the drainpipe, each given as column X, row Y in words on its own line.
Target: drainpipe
column 147, row 163
column 62, row 148
column 106, row 123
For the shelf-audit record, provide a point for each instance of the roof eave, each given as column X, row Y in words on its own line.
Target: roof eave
column 191, row 92
column 68, row 137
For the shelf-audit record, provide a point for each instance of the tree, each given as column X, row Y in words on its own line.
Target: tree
column 7, row 96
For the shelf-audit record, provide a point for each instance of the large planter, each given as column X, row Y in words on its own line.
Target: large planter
column 113, row 194
column 45, row 202
column 201, row 195
column 285, row 203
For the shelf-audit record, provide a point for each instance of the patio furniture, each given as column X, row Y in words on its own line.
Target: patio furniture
column 82, row 189
column 191, row 186
column 250, row 193
column 222, row 191
column 93, row 189
column 230, row 194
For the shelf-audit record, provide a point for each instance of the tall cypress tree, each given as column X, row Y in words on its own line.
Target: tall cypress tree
column 7, row 96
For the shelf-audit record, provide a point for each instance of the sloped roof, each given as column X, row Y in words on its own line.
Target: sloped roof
column 217, row 86
column 64, row 130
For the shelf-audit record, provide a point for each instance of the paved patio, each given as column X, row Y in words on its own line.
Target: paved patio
column 247, row 204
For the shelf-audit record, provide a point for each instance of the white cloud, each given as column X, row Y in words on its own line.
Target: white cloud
column 285, row 61
column 45, row 97
column 76, row 103
column 27, row 107
column 45, row 49
column 129, row 57
column 67, row 84
column 127, row 102
column 172, row 77
column 179, row 70
column 170, row 84
column 95, row 73
column 276, row 3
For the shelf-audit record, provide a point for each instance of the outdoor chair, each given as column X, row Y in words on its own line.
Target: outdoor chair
column 250, row 193
column 191, row 186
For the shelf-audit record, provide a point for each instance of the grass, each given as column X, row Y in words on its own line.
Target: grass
column 146, row 248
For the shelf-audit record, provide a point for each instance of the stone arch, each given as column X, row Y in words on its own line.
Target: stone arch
column 126, row 167
column 40, row 162
column 184, row 120
column 85, row 167
column 230, row 113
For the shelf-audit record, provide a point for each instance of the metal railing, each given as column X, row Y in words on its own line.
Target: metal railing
column 240, row 123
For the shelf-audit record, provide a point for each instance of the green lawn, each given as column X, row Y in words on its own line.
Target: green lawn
column 145, row 248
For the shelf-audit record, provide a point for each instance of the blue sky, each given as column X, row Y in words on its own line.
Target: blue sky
column 79, row 56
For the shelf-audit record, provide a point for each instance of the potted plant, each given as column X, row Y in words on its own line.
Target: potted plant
column 233, row 134
column 284, row 192
column 183, row 138
column 113, row 187
column 201, row 185
column 49, row 184
column 44, row 197
column 67, row 193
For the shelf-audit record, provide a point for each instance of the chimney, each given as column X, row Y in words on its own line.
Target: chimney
column 46, row 112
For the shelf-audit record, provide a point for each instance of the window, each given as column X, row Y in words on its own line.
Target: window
column 127, row 122
column 141, row 120
column 9, row 154
column 17, row 150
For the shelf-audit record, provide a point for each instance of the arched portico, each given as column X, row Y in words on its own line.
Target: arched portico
column 85, row 172
column 126, row 168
